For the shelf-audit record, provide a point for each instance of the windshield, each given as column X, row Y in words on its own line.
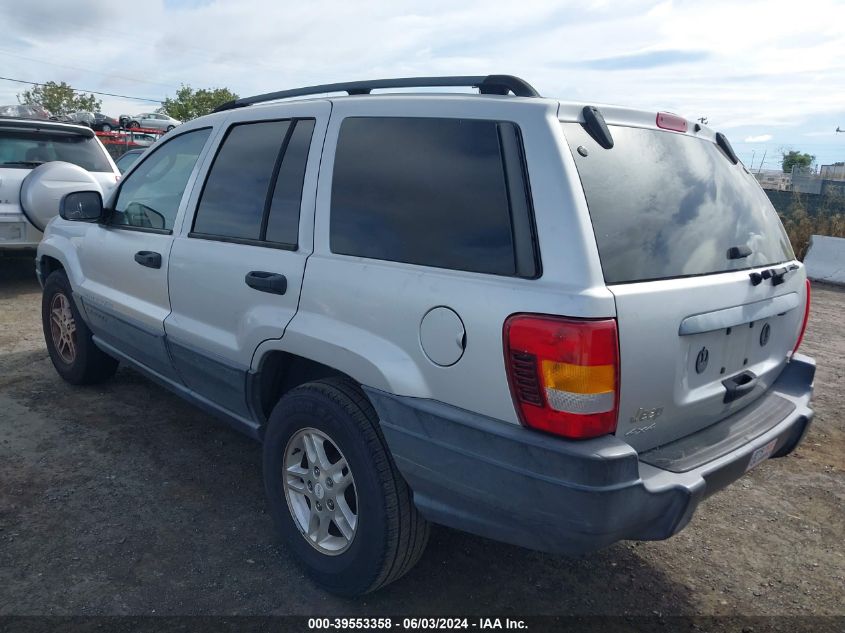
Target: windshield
column 669, row 205
column 26, row 149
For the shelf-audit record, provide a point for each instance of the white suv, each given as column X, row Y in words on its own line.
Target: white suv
column 26, row 145
column 547, row 323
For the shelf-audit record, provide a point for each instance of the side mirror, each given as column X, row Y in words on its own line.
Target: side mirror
column 82, row 206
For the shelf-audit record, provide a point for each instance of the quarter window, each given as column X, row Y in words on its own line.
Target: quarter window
column 437, row 192
column 150, row 196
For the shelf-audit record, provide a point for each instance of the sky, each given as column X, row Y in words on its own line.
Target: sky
column 770, row 75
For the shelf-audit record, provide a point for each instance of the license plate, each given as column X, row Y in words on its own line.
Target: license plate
column 761, row 454
column 12, row 231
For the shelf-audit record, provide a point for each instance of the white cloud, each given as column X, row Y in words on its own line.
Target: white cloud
column 758, row 65
column 760, row 138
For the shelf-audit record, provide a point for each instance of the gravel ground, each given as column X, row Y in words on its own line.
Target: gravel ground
column 121, row 499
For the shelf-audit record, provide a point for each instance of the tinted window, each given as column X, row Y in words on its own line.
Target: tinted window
column 283, row 223
column 232, row 203
column 150, row 195
column 26, row 149
column 671, row 205
column 126, row 161
column 423, row 191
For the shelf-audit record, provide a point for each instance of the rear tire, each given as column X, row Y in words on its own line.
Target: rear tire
column 75, row 356
column 388, row 535
column 133, row 125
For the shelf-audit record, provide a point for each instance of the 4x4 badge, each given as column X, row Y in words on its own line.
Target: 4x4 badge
column 701, row 360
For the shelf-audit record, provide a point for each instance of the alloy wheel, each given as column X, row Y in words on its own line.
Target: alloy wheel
column 63, row 328
column 320, row 491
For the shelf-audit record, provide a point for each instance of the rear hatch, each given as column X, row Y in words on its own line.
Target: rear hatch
column 683, row 233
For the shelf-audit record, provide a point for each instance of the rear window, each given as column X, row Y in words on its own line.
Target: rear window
column 669, row 205
column 27, row 149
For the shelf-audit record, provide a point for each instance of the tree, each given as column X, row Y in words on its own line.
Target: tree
column 791, row 158
column 59, row 98
column 188, row 103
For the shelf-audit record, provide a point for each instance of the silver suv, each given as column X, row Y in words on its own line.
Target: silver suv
column 27, row 149
column 547, row 323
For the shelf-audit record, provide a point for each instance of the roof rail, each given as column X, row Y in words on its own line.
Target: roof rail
column 489, row 84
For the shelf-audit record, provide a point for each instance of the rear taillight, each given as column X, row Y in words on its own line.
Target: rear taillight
column 804, row 322
column 564, row 373
column 669, row 121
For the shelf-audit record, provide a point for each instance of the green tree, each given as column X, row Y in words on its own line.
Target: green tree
column 59, row 98
column 188, row 103
column 791, row 158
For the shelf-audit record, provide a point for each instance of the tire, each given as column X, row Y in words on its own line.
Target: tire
column 87, row 364
column 389, row 534
column 170, row 127
column 105, row 127
column 133, row 125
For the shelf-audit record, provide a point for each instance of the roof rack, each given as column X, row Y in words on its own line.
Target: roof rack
column 489, row 84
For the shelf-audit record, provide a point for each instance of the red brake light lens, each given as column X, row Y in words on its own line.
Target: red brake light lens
column 669, row 121
column 804, row 322
column 564, row 373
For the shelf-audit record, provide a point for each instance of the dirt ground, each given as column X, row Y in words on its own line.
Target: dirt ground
column 122, row 499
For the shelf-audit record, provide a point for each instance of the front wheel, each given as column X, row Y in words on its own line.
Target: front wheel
column 133, row 125
column 106, row 127
column 335, row 493
column 75, row 356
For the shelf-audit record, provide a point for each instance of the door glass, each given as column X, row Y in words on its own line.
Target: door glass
column 150, row 196
column 234, row 197
column 283, row 223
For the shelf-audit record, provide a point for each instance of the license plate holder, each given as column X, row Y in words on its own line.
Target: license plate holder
column 761, row 454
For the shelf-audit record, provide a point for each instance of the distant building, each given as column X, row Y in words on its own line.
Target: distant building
column 774, row 179
column 836, row 171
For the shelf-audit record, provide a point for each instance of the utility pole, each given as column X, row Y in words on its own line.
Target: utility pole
column 762, row 161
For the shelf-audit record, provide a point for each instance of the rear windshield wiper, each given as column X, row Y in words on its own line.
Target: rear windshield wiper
column 775, row 274
column 23, row 163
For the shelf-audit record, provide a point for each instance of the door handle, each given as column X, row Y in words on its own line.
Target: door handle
column 148, row 259
column 739, row 385
column 273, row 283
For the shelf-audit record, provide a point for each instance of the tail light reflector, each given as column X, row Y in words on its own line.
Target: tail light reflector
column 564, row 373
column 669, row 121
column 806, row 318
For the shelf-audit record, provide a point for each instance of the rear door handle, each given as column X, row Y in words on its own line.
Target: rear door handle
column 273, row 283
column 739, row 385
column 148, row 259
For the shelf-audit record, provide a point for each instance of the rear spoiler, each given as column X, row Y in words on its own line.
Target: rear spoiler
column 52, row 126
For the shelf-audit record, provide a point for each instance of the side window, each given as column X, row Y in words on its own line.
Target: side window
column 448, row 193
column 254, row 187
column 150, row 196
column 283, row 223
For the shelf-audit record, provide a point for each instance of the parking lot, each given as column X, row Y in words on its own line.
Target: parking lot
column 123, row 499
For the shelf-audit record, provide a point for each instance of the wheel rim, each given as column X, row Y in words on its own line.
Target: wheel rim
column 320, row 491
column 107, row 128
column 63, row 328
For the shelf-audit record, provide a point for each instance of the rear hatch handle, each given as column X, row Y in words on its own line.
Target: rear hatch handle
column 738, row 386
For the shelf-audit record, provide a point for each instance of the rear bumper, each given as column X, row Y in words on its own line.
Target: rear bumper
column 519, row 486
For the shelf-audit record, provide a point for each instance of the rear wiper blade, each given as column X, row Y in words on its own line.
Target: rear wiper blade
column 24, row 163
column 775, row 274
